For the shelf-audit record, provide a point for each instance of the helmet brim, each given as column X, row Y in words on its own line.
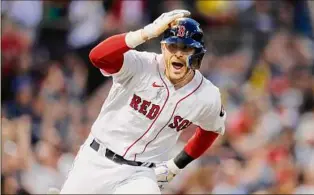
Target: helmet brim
column 186, row 41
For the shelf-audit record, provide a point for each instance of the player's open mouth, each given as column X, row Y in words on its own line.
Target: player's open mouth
column 177, row 65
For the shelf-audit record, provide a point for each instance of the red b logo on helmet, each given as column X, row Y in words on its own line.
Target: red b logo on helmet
column 181, row 31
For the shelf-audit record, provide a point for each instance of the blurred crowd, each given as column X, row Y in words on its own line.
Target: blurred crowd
column 260, row 55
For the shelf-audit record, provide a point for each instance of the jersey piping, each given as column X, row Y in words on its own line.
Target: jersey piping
column 170, row 116
column 126, row 151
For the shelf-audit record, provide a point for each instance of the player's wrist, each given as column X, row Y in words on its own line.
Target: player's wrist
column 173, row 167
column 150, row 31
column 144, row 35
column 182, row 159
column 135, row 38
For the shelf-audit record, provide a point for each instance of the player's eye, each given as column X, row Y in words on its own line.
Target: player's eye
column 187, row 49
column 172, row 47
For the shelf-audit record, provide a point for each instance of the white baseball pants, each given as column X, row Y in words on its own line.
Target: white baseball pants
column 93, row 173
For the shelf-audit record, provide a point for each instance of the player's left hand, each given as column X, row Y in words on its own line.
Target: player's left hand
column 165, row 172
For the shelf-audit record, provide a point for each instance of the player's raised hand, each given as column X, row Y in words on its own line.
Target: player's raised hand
column 154, row 29
column 162, row 23
column 165, row 172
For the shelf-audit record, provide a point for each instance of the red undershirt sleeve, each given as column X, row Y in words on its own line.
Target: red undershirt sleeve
column 195, row 147
column 200, row 142
column 108, row 55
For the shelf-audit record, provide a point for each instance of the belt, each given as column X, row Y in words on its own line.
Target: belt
column 119, row 159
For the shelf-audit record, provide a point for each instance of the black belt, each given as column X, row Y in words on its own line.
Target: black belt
column 119, row 159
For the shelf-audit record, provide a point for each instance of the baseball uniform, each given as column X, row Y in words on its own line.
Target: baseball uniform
column 142, row 118
column 140, row 122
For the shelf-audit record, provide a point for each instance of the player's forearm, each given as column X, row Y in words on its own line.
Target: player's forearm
column 195, row 147
column 108, row 55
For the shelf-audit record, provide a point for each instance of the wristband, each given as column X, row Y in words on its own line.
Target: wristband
column 182, row 159
column 135, row 38
column 173, row 167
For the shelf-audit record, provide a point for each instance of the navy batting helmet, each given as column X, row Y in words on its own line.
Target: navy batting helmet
column 187, row 31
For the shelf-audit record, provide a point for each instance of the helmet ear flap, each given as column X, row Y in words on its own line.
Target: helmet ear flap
column 194, row 61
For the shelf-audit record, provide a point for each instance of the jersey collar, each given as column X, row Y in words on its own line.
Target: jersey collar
column 194, row 83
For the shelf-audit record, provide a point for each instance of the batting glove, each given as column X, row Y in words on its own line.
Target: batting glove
column 165, row 172
column 154, row 29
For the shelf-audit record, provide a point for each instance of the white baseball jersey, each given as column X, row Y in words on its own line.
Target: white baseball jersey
column 144, row 114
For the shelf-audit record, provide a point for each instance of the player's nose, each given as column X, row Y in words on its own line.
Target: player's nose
column 179, row 54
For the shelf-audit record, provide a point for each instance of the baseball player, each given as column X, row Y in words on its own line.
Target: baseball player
column 154, row 97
